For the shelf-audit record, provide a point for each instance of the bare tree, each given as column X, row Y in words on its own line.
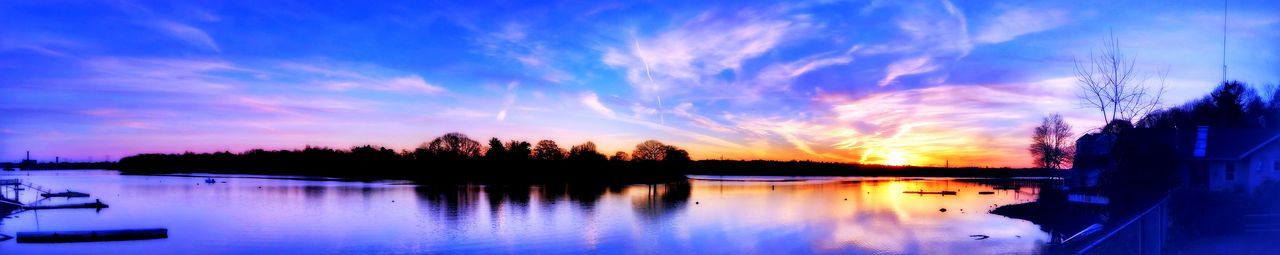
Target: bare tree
column 1109, row 84
column 1051, row 145
column 650, row 150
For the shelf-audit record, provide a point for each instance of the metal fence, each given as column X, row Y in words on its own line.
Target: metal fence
column 1145, row 233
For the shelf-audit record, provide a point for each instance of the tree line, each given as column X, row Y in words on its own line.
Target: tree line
column 452, row 157
column 1232, row 104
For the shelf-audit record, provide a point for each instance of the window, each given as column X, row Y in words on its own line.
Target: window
column 1202, row 135
column 1231, row 171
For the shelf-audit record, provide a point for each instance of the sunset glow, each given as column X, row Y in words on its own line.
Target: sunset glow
column 880, row 82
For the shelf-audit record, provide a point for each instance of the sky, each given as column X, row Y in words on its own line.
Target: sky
column 880, row 82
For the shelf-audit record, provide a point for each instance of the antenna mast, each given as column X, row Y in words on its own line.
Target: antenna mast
column 1224, row 41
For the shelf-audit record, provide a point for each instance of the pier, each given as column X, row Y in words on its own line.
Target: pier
column 921, row 192
column 92, row 236
column 11, row 198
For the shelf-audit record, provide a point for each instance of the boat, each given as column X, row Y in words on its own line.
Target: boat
column 65, row 194
column 986, row 192
column 210, row 181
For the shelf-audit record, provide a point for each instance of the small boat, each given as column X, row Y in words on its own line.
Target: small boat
column 65, row 194
column 210, row 181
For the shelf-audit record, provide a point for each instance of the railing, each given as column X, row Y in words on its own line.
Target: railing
column 1143, row 234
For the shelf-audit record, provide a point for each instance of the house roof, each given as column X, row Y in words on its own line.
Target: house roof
column 1236, row 143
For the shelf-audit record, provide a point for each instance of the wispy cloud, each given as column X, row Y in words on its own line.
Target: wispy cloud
column 514, row 43
column 934, row 35
column 904, row 67
column 188, row 33
column 690, row 55
column 1020, row 21
column 686, row 110
column 509, row 99
column 342, row 77
column 591, row 101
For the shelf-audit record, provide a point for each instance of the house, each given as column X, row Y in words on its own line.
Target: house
column 1232, row 159
column 1209, row 158
column 1092, row 158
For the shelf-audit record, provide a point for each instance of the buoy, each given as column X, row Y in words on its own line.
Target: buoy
column 695, row 202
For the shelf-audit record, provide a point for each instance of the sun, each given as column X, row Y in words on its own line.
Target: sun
column 896, row 158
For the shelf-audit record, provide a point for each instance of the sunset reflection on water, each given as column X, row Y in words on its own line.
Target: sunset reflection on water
column 745, row 215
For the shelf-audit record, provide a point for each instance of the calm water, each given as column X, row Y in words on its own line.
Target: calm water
column 248, row 215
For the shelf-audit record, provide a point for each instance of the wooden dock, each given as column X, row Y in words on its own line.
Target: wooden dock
column 92, row 236
column 66, row 194
column 921, row 192
column 94, row 205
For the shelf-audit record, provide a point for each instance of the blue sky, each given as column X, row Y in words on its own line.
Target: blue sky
column 922, row 82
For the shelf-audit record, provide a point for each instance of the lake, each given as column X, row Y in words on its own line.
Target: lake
column 765, row 215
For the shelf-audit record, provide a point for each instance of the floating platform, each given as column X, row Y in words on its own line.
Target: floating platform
column 65, row 194
column 92, row 236
column 94, row 205
column 944, row 192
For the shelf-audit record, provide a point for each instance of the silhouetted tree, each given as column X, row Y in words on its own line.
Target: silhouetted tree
column 650, row 150
column 451, row 146
column 496, row 150
column 1114, row 127
column 519, row 150
column 620, row 156
column 585, row 151
column 675, row 155
column 1109, row 84
column 1230, row 101
column 1231, row 104
column 366, row 152
column 1051, row 145
column 1271, row 118
column 548, row 150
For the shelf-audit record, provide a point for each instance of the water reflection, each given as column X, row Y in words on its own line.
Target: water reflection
column 268, row 216
column 661, row 200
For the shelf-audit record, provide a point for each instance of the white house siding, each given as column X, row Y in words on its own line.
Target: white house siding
column 1262, row 165
column 1251, row 171
column 1218, row 179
